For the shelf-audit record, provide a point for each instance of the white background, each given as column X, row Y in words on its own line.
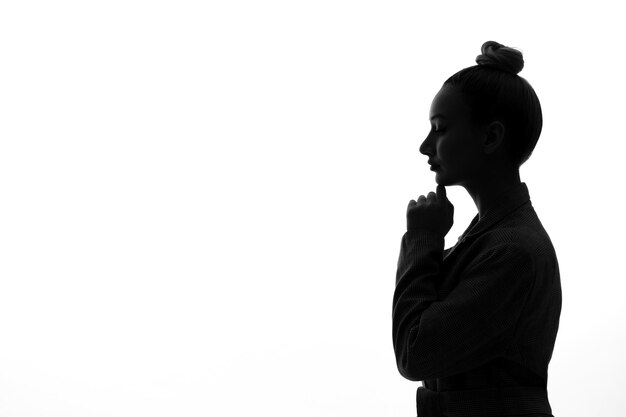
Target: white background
column 201, row 203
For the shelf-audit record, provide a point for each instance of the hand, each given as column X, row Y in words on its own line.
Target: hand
column 434, row 213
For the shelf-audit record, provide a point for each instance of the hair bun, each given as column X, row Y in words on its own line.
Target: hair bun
column 500, row 57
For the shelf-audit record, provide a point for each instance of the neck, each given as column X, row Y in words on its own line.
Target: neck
column 486, row 191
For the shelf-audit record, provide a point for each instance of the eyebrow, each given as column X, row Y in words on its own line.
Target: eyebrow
column 440, row 116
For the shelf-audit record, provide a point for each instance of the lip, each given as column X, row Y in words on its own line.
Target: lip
column 434, row 167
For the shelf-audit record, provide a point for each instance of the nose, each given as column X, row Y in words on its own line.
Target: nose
column 426, row 146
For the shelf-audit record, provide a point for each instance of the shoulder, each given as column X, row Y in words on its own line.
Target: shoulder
column 521, row 232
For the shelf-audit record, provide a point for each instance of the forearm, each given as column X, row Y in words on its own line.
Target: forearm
column 419, row 267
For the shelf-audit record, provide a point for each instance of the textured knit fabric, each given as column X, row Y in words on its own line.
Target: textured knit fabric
column 485, row 313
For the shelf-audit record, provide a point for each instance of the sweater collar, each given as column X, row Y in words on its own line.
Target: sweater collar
column 506, row 204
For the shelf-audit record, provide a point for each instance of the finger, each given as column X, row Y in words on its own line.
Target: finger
column 432, row 196
column 441, row 192
column 411, row 204
column 421, row 199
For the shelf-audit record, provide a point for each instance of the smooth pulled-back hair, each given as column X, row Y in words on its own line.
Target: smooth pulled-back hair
column 494, row 91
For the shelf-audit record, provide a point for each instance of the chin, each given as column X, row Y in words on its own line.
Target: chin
column 440, row 179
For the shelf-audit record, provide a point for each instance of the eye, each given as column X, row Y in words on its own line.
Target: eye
column 438, row 129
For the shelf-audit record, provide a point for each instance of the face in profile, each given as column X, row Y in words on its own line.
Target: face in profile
column 453, row 143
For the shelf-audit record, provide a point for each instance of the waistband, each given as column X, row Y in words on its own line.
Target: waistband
column 492, row 402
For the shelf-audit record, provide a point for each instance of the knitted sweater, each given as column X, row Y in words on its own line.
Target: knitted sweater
column 484, row 313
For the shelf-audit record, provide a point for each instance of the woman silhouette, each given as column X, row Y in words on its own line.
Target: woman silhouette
column 477, row 322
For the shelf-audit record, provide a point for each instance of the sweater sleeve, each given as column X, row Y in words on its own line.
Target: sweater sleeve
column 474, row 323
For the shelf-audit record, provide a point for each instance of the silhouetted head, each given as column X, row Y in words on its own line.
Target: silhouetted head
column 485, row 119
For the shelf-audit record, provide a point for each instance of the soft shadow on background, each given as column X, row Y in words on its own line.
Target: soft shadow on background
column 201, row 205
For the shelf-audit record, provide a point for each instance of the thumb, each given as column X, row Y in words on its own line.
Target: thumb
column 441, row 192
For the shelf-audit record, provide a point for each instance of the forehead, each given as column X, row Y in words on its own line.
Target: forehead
column 448, row 103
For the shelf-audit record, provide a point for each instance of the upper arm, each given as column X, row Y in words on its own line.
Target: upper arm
column 476, row 321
